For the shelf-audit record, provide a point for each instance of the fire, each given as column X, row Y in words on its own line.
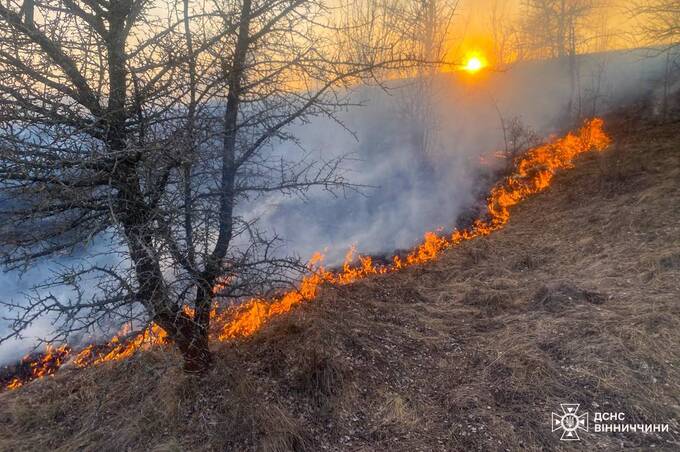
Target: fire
column 119, row 348
column 46, row 364
column 534, row 172
column 474, row 63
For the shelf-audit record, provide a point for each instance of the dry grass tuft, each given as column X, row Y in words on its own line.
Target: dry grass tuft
column 556, row 297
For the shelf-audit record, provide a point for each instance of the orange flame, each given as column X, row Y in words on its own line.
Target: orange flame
column 47, row 364
column 534, row 172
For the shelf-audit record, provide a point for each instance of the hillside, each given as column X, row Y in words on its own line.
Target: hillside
column 576, row 300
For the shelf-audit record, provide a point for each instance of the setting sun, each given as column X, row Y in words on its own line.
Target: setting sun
column 474, row 63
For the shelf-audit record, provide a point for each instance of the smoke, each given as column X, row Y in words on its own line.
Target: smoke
column 19, row 288
column 418, row 170
column 412, row 189
column 13, row 285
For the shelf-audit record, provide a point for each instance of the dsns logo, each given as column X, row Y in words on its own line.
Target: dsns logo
column 569, row 421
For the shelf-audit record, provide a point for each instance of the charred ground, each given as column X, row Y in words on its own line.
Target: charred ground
column 576, row 300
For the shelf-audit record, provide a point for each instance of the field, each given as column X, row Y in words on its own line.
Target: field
column 576, row 300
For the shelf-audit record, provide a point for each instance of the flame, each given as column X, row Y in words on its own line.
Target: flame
column 46, row 364
column 119, row 348
column 534, row 172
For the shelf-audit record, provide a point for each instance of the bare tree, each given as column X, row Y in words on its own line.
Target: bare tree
column 426, row 26
column 552, row 27
column 420, row 29
column 556, row 29
column 506, row 34
column 144, row 135
column 659, row 21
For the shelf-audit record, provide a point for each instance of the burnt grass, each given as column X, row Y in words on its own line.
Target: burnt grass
column 577, row 300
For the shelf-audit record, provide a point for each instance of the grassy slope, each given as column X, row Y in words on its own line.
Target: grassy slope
column 577, row 300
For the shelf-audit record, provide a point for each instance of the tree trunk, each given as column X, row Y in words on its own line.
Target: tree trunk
column 195, row 350
column 189, row 335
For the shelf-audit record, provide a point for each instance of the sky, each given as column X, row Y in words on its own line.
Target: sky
column 473, row 23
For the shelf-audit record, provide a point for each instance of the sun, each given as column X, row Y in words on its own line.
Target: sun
column 474, row 63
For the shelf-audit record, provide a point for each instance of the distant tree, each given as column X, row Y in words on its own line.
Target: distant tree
column 420, row 29
column 659, row 21
column 555, row 29
column 506, row 34
column 426, row 26
column 552, row 28
column 143, row 127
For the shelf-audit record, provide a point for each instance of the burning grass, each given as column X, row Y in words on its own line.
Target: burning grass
column 471, row 352
column 533, row 173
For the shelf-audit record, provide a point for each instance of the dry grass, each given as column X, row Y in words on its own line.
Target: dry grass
column 576, row 300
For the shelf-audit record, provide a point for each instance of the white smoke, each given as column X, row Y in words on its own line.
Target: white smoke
column 412, row 191
column 418, row 191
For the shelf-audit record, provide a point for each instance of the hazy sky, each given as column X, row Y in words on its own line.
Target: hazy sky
column 473, row 23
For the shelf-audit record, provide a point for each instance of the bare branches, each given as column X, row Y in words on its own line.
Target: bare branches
column 659, row 22
column 85, row 95
column 149, row 139
column 554, row 28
